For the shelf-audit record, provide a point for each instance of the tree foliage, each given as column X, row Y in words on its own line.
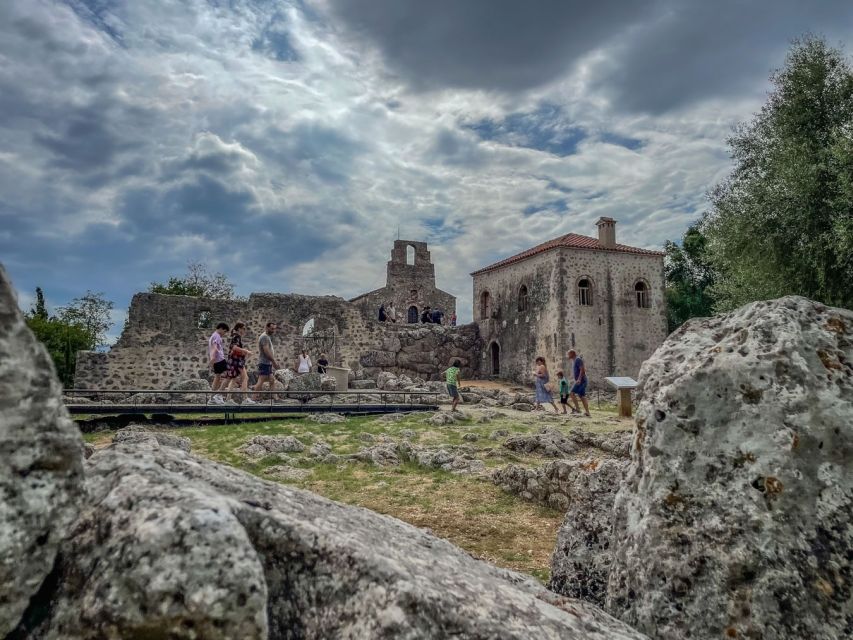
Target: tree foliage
column 198, row 282
column 689, row 278
column 782, row 222
column 79, row 326
column 91, row 312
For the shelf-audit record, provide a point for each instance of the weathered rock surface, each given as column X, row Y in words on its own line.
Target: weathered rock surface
column 548, row 442
column 41, row 477
column 736, row 515
column 136, row 433
column 285, row 377
column 275, row 444
column 362, row 384
column 327, row 418
column 580, row 565
column 306, row 382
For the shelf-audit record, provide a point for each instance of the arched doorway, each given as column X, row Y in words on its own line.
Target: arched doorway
column 412, row 316
column 495, row 350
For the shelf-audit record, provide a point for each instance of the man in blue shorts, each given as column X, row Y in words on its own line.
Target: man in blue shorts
column 266, row 359
column 579, row 387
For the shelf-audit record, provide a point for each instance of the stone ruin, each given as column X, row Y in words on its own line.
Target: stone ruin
column 732, row 519
column 165, row 340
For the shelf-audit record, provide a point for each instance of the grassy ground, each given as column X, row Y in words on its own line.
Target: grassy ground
column 469, row 511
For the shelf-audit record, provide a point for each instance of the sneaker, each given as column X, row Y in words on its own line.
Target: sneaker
column 249, row 401
column 217, row 399
column 230, row 403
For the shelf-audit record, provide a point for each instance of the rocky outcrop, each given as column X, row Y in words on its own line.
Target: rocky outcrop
column 580, row 564
column 136, row 433
column 258, row 446
column 235, row 557
column 735, row 517
column 41, row 479
column 548, row 442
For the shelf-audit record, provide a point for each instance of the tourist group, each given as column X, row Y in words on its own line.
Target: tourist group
column 229, row 367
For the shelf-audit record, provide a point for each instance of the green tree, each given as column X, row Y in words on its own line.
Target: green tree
column 39, row 309
column 198, row 282
column 689, row 278
column 63, row 340
column 92, row 313
column 782, row 222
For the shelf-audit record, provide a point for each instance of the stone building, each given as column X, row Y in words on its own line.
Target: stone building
column 410, row 285
column 602, row 298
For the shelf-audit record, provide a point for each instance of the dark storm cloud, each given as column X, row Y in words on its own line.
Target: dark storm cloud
column 499, row 44
column 661, row 54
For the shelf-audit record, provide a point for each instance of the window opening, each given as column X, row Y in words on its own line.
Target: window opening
column 642, row 293
column 585, row 292
column 522, row 298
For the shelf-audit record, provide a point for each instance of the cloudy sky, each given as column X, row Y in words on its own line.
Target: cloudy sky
column 285, row 143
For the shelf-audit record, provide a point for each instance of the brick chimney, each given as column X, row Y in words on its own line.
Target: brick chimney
column 606, row 232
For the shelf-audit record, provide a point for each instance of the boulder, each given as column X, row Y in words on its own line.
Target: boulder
column 277, row 444
column 378, row 359
column 548, row 442
column 387, row 381
column 580, row 564
column 735, row 517
column 328, row 383
column 176, row 546
column 285, row 377
column 130, row 435
column 287, row 472
column 41, row 469
column 522, row 406
column 306, row 382
column 362, row 384
column 191, row 384
column 327, row 418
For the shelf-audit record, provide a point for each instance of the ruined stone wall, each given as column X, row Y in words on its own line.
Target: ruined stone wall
column 613, row 334
column 408, row 285
column 165, row 339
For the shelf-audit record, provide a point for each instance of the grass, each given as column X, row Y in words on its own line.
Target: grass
column 469, row 511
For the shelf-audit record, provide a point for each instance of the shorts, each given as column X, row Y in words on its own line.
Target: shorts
column 579, row 389
column 235, row 368
column 564, row 399
column 452, row 391
column 220, row 367
column 265, row 369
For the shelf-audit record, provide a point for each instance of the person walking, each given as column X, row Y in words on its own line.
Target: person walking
column 304, row 365
column 266, row 359
column 437, row 316
column 541, row 379
column 382, row 316
column 322, row 363
column 218, row 362
column 564, row 391
column 236, row 372
column 426, row 316
column 451, row 377
column 579, row 387
column 453, row 319
column 392, row 312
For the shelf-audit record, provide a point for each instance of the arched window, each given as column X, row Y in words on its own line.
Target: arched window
column 641, row 290
column 203, row 320
column 485, row 305
column 522, row 298
column 410, row 254
column 412, row 316
column 585, row 292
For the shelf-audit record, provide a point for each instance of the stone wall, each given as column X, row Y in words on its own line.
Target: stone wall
column 165, row 340
column 408, row 286
column 613, row 334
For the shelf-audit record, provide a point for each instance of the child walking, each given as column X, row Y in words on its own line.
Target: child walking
column 451, row 376
column 564, row 391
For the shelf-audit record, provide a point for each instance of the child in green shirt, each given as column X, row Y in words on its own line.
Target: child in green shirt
column 451, row 376
column 564, row 390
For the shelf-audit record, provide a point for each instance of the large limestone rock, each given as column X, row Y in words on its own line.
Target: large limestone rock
column 41, row 476
column 174, row 546
column 736, row 517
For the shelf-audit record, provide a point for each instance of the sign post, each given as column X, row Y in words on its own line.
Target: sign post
column 623, row 394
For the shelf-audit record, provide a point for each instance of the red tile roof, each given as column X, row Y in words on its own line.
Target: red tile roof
column 572, row 241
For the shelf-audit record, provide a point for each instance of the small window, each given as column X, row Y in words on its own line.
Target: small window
column 410, row 255
column 413, row 294
column 204, row 320
column 522, row 299
column 485, row 305
column 585, row 292
column 641, row 289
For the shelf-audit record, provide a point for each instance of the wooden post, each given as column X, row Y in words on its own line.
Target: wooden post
column 623, row 397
